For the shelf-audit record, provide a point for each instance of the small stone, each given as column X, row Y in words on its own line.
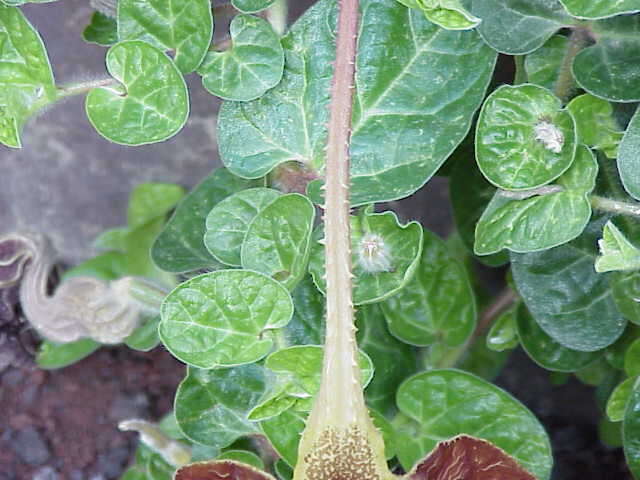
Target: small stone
column 46, row 473
column 31, row 447
column 112, row 462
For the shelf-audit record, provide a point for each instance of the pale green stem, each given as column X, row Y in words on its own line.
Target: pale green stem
column 147, row 295
column 521, row 73
column 278, row 15
column 578, row 39
column 615, row 206
column 84, row 87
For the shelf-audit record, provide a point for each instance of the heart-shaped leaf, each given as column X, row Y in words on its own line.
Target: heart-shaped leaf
column 469, row 458
column 503, row 334
column 631, row 432
column 211, row 406
column 223, row 318
column 596, row 9
column 524, row 139
column 184, row 26
column 595, row 125
column 102, row 30
column 229, row 220
column 154, row 104
column 555, row 215
column 278, row 240
column 284, row 432
column 567, row 298
column 629, row 157
column 446, row 403
column 517, row 27
column 545, row 351
column 52, row 356
column 289, row 122
column 438, row 304
column 626, row 294
column 26, row 80
column 385, row 256
column 180, row 246
column 617, row 403
column 616, row 251
column 253, row 64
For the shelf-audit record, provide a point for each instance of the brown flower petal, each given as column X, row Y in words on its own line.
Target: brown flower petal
column 468, row 458
column 220, row 470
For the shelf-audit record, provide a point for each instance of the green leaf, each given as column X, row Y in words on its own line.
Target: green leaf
column 158, row 469
column 449, row 14
column 298, row 370
column 283, row 470
column 184, row 26
column 616, row 251
column 609, row 69
column 503, row 334
column 524, row 139
column 145, row 337
column 26, row 80
column 595, row 124
column 545, row 351
column 629, row 157
column 149, row 201
column 223, row 318
column 278, row 240
column 242, row 456
column 517, row 27
column 543, row 65
column 481, row 361
column 438, row 304
column 385, row 256
column 596, row 9
column 538, row 220
column 211, row 406
column 228, row 222
column 632, row 359
column 252, row 6
column 180, row 246
column 52, row 356
column 253, row 65
column 154, row 104
column 284, row 432
column 17, row 3
column 434, row 75
column 307, row 325
column 570, row 301
column 626, row 293
column 446, row 403
column 102, row 30
column 470, row 193
column 617, row 403
column 631, row 432
column 393, row 361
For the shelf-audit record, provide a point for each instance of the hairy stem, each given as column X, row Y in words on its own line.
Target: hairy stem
column 521, row 73
column 84, row 87
column 522, row 195
column 503, row 301
column 277, row 16
column 578, row 39
column 615, row 206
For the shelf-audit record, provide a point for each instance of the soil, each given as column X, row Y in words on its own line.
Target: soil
column 62, row 425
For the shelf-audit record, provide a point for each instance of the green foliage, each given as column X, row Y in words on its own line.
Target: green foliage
column 102, row 30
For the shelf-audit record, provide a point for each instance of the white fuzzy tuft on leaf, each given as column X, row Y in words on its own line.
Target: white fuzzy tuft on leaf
column 373, row 254
column 550, row 136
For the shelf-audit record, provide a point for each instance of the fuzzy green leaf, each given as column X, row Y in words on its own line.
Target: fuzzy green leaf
column 449, row 14
column 616, row 251
column 626, row 293
column 524, row 139
column 517, row 27
column 438, row 304
column 307, row 325
column 102, row 30
column 26, row 79
column 223, row 318
column 52, row 356
column 595, row 124
column 446, row 403
column 385, row 256
column 632, row 359
column 393, row 360
column 617, row 402
column 252, row 6
column 149, row 201
column 145, row 337
column 545, row 351
column 631, row 432
column 180, row 246
column 523, row 223
column 253, row 64
column 211, row 406
column 229, row 220
column 284, row 432
column 570, row 301
column 596, row 9
column 503, row 334
column 544, row 64
column 629, row 157
column 278, row 240
column 184, row 26
column 152, row 107
column 433, row 75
